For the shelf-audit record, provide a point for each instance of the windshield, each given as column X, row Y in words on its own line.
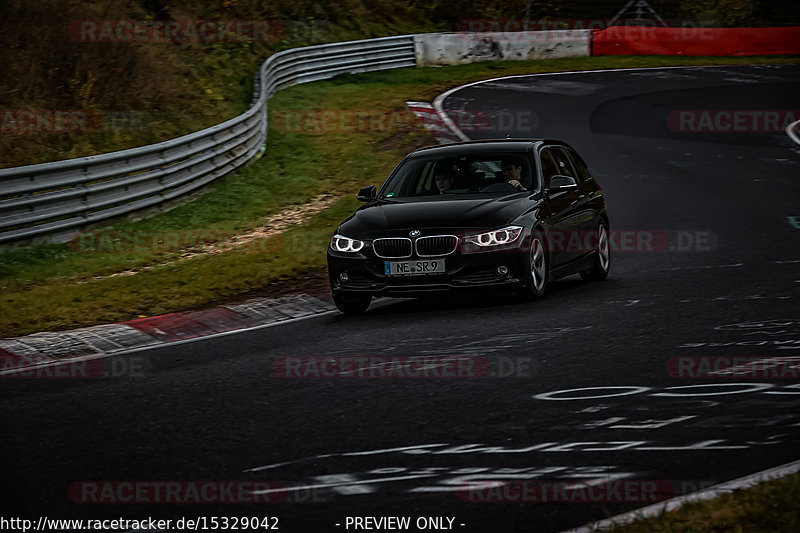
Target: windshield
column 454, row 177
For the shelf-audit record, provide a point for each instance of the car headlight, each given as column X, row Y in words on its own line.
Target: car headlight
column 495, row 238
column 340, row 243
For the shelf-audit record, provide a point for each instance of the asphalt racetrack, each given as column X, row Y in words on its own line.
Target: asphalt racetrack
column 599, row 384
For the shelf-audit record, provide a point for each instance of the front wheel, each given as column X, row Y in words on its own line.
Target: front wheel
column 352, row 304
column 602, row 257
column 537, row 267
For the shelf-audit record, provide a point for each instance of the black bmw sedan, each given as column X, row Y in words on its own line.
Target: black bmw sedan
column 512, row 213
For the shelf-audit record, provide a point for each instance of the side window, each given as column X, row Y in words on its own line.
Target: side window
column 549, row 168
column 425, row 182
column 579, row 164
column 516, row 167
column 563, row 163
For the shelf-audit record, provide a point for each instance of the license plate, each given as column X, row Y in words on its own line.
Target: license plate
column 414, row 268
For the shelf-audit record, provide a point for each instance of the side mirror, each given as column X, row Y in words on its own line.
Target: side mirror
column 367, row 194
column 562, row 183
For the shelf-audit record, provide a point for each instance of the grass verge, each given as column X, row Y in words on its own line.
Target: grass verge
column 767, row 507
column 61, row 286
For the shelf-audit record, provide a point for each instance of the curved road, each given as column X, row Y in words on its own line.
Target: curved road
column 707, row 264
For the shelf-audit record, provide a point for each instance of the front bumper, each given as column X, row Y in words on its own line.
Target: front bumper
column 366, row 273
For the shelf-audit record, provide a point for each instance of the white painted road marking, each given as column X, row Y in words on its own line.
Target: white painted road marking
column 341, row 484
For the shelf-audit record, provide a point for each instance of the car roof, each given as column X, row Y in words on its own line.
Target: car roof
column 483, row 146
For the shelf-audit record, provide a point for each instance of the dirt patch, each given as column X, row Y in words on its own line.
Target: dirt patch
column 275, row 225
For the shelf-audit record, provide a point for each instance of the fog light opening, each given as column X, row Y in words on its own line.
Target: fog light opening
column 502, row 270
column 343, row 277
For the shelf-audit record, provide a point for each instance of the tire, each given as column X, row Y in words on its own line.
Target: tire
column 602, row 256
column 352, row 304
column 538, row 267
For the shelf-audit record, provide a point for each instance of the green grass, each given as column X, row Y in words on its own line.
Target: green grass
column 767, row 507
column 59, row 286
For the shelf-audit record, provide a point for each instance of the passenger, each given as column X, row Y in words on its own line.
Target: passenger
column 512, row 173
column 444, row 182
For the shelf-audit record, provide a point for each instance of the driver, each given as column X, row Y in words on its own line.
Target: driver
column 444, row 182
column 512, row 173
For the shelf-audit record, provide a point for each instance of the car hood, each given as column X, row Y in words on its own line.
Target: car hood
column 390, row 216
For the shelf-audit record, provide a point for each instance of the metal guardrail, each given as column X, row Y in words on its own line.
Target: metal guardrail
column 56, row 199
